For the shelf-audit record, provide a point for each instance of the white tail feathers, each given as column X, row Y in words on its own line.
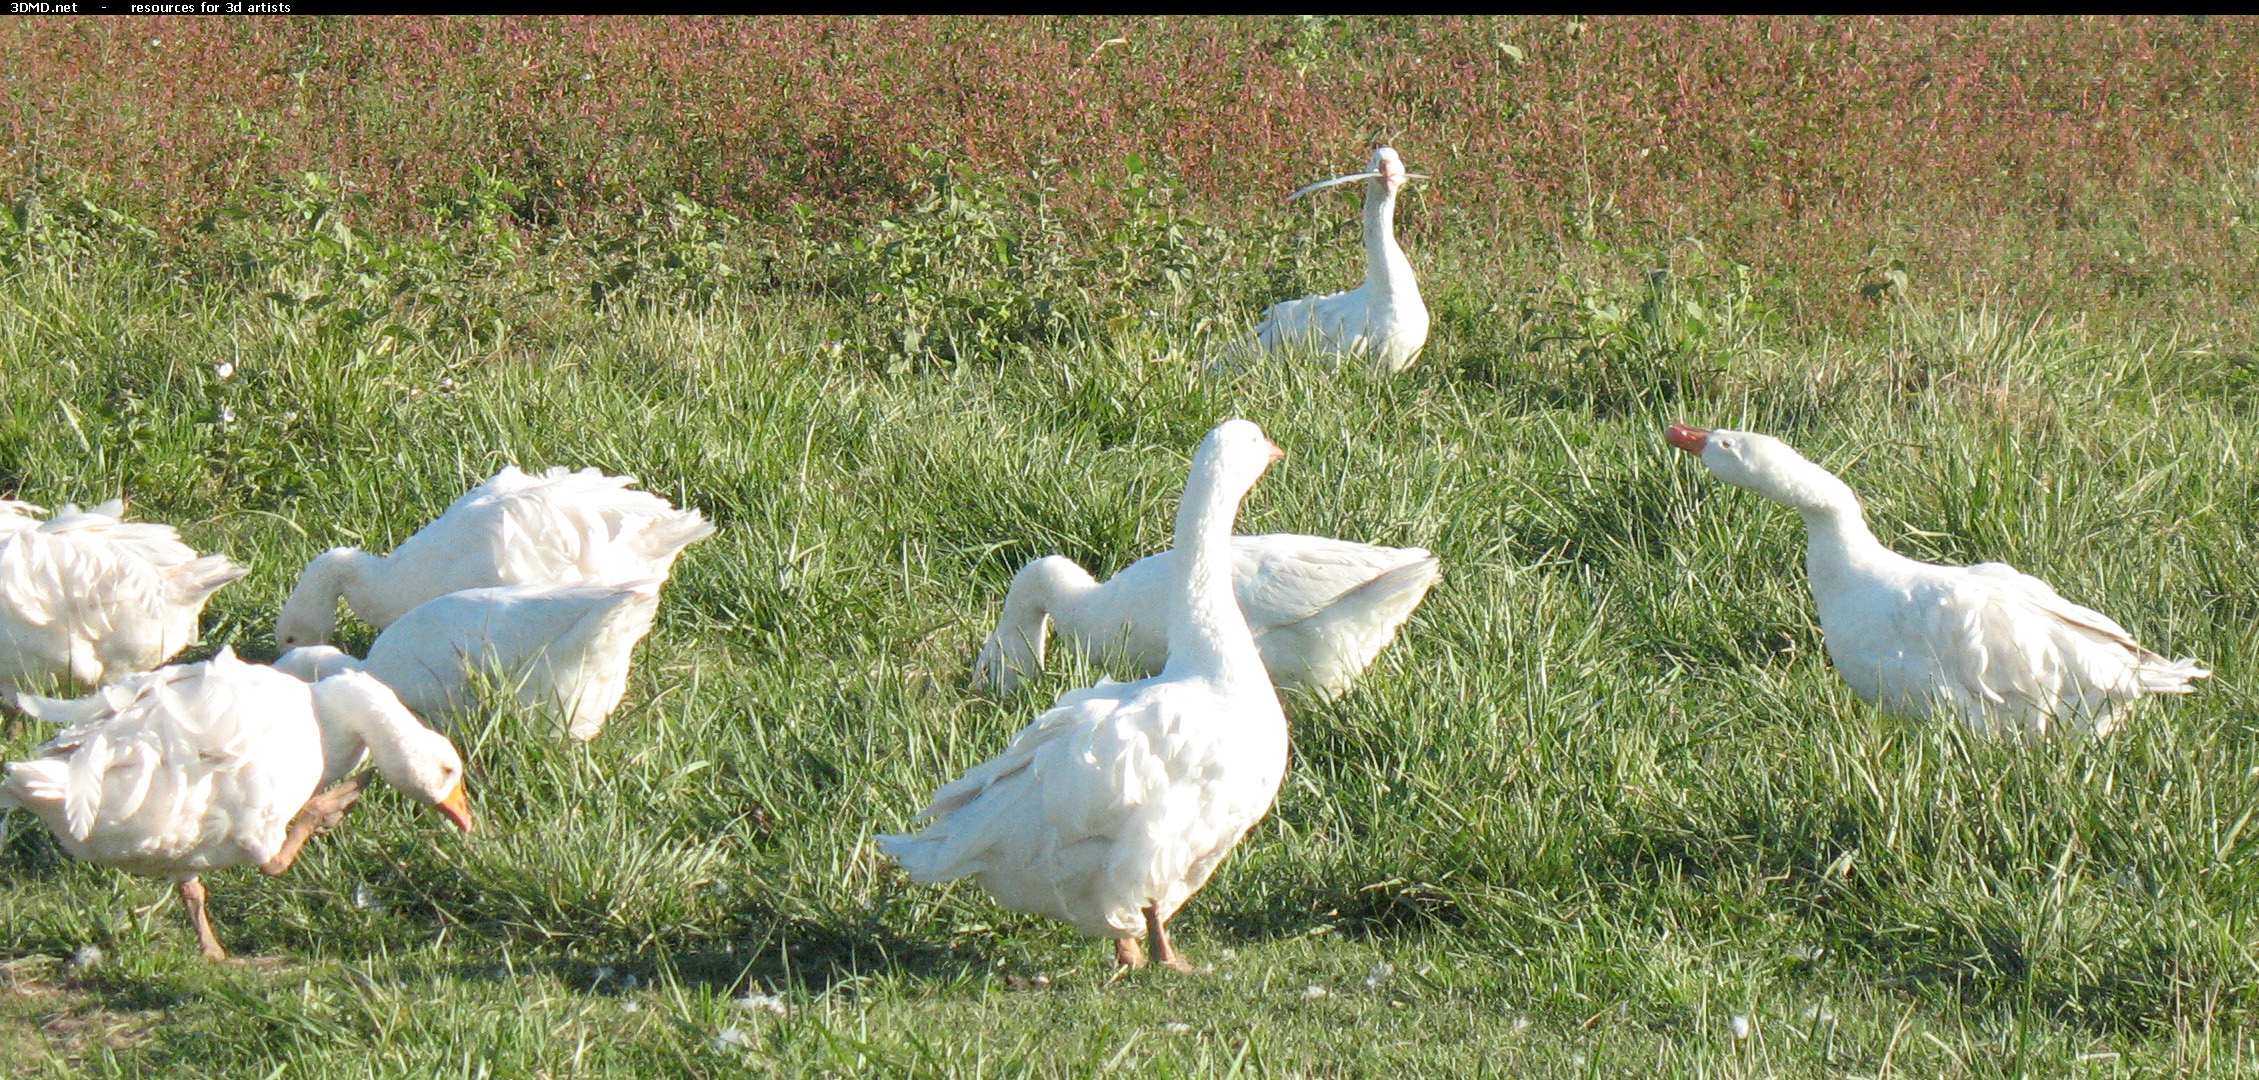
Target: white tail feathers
column 668, row 536
column 924, row 858
column 197, row 580
column 2171, row 676
column 1382, row 604
column 32, row 784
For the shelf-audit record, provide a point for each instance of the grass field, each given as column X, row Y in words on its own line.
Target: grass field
column 1602, row 810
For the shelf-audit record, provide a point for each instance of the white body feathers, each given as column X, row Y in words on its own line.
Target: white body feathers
column 1384, row 319
column 87, row 596
column 1995, row 648
column 569, row 646
column 1125, row 796
column 176, row 771
column 1120, row 796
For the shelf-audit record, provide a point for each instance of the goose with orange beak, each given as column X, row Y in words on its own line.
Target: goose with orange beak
column 198, row 767
column 1996, row 648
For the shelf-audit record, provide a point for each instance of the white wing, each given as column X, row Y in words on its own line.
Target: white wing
column 559, row 527
column 1285, row 577
column 2003, row 648
column 567, row 645
column 1121, row 795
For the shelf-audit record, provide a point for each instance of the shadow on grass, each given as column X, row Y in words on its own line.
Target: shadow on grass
column 813, row 956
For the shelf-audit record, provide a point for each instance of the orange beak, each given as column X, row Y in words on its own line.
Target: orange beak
column 1277, row 452
column 458, row 809
column 1689, row 439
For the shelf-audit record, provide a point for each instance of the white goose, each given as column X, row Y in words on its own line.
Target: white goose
column 562, row 645
column 202, row 766
column 1997, row 648
column 89, row 597
column 1383, row 319
column 1114, row 807
column 515, row 529
column 1320, row 609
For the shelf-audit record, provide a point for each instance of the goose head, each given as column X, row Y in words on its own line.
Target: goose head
column 1765, row 465
column 1235, row 455
column 409, row 756
column 1386, row 170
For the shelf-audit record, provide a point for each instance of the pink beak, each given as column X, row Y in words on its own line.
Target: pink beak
column 1689, row 439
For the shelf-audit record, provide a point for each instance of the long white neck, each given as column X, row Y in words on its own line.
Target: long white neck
column 1207, row 631
column 361, row 721
column 1386, row 268
column 1052, row 587
column 1837, row 543
column 309, row 616
column 356, row 573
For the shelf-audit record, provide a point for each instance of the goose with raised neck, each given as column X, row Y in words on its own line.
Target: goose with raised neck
column 1115, row 805
column 1320, row 609
column 1998, row 649
column 1384, row 319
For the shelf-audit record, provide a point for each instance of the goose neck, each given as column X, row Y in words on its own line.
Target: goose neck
column 1386, row 268
column 1052, row 587
column 309, row 615
column 356, row 571
column 1207, row 631
column 1837, row 542
column 357, row 725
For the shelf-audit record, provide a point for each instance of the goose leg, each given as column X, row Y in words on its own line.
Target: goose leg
column 1164, row 951
column 192, row 898
column 320, row 814
column 1127, row 954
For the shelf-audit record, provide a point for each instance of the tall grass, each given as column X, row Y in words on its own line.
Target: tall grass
column 2098, row 162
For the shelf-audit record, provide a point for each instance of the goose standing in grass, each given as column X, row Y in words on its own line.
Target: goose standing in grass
column 1383, row 319
column 1320, row 609
column 1995, row 647
column 563, row 645
column 515, row 529
column 88, row 597
column 1114, row 807
column 197, row 767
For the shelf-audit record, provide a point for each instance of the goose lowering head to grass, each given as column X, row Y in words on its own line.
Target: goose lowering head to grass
column 567, row 646
column 87, row 596
column 1114, row 806
column 1384, row 319
column 197, row 767
column 515, row 529
column 1320, row 610
column 1997, row 648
